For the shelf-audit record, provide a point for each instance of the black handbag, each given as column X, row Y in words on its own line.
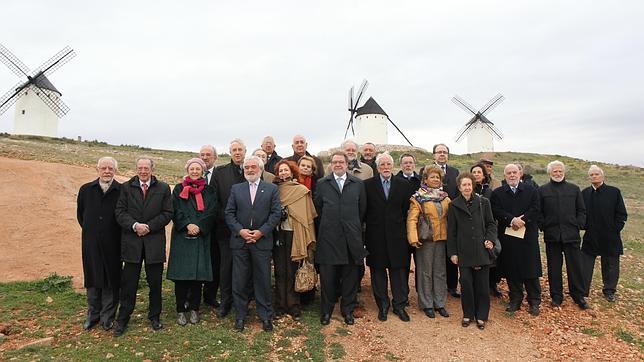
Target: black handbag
column 496, row 249
column 425, row 230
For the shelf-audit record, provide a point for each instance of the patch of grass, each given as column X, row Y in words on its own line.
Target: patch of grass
column 336, row 351
column 627, row 337
column 391, row 357
column 509, row 315
column 592, row 332
column 342, row 332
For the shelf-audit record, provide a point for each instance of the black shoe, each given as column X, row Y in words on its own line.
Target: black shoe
column 610, row 297
column 222, row 312
column 582, row 303
column 454, row 293
column 296, row 314
column 120, row 329
column 382, row 314
column 212, row 303
column 267, row 325
column 465, row 322
column 429, row 312
column 239, row 325
column 534, row 310
column 325, row 319
column 555, row 303
column 348, row 319
column 156, row 324
column 88, row 325
column 442, row 312
column 480, row 324
column 402, row 314
column 107, row 325
column 513, row 307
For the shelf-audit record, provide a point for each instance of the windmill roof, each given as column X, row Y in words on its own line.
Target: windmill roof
column 44, row 83
column 370, row 107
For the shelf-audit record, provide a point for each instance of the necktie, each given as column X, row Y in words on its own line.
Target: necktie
column 145, row 190
column 206, row 176
column 340, row 181
column 385, row 186
column 253, row 192
column 514, row 189
column 444, row 170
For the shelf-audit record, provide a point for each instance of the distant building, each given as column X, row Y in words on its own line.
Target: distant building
column 33, row 115
column 371, row 123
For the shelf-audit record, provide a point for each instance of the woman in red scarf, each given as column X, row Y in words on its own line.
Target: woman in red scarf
column 189, row 264
column 307, row 169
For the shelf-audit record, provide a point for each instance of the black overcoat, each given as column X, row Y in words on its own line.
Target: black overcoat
column 413, row 182
column 467, row 231
column 606, row 216
column 386, row 224
column 155, row 210
column 226, row 176
column 101, row 235
column 339, row 240
column 563, row 212
column 520, row 258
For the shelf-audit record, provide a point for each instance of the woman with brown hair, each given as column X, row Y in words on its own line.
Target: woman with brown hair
column 307, row 169
column 431, row 203
column 296, row 237
column 482, row 178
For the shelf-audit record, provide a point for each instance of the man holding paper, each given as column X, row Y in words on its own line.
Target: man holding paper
column 515, row 206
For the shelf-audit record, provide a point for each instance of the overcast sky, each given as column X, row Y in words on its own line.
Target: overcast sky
column 176, row 75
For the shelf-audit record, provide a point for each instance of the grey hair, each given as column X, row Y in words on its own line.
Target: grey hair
column 211, row 147
column 554, row 163
column 347, row 141
column 145, row 158
column 268, row 138
column 596, row 168
column 108, row 158
column 384, row 155
column 510, row 165
column 237, row 140
column 259, row 161
column 259, row 149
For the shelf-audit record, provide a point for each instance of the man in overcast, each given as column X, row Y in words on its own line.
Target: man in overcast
column 208, row 155
column 272, row 158
column 299, row 149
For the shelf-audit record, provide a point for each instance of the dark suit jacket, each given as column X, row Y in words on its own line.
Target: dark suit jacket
column 563, row 212
column 449, row 182
column 226, row 176
column 272, row 161
column 386, row 219
column 263, row 215
column 606, row 217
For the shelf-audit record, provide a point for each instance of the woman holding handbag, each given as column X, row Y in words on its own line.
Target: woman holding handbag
column 296, row 237
column 471, row 243
column 428, row 215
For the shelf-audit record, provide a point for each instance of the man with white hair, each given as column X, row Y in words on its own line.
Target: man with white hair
column 299, row 149
column 606, row 217
column 252, row 212
column 563, row 214
column 355, row 167
column 272, row 158
column 101, row 244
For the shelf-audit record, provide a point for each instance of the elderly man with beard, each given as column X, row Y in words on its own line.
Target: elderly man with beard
column 299, row 149
column 253, row 211
column 355, row 167
column 563, row 214
column 368, row 156
column 341, row 203
column 606, row 217
column 101, row 244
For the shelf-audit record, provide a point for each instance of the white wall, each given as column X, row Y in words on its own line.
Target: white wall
column 479, row 139
column 371, row 128
column 34, row 117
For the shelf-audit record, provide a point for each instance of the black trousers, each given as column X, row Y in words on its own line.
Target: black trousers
column 532, row 287
column 610, row 272
column 495, row 277
column 451, row 271
column 101, row 304
column 475, row 292
column 130, row 276
column 251, row 264
column 555, row 253
column 187, row 292
column 398, row 278
column 336, row 281
column 286, row 299
column 225, row 273
column 210, row 288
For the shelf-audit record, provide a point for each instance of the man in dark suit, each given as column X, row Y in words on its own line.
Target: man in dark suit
column 341, row 203
column 101, row 244
column 299, row 149
column 208, row 155
column 272, row 158
column 386, row 238
column 252, row 213
column 225, row 177
column 516, row 205
column 606, row 217
column 368, row 155
column 143, row 210
column 408, row 172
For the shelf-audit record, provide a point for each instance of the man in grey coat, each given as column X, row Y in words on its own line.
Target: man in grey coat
column 143, row 210
column 341, row 204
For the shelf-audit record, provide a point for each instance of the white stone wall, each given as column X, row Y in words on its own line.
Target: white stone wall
column 33, row 115
column 479, row 139
column 371, row 128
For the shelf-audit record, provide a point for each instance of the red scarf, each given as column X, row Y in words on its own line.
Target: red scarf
column 306, row 181
column 194, row 187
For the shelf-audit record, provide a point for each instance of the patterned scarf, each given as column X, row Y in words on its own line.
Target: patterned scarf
column 426, row 193
column 194, row 187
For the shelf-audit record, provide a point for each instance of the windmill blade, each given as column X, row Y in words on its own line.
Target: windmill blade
column 12, row 62
column 351, row 105
column 350, row 125
column 490, row 126
column 55, row 62
column 399, row 131
column 465, row 129
column 9, row 98
column 361, row 90
column 463, row 104
column 492, row 103
column 55, row 103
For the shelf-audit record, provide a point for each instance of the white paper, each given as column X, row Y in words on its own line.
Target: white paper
column 520, row 233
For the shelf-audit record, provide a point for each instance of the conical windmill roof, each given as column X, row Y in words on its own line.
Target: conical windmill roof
column 44, row 83
column 370, row 107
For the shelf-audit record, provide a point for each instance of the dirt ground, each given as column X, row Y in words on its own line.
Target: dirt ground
column 39, row 235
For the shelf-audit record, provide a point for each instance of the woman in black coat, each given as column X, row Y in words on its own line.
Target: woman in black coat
column 470, row 231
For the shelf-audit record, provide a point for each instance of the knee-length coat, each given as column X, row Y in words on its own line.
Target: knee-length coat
column 101, row 234
column 386, row 218
column 190, row 256
column 468, row 229
column 520, row 258
column 606, row 217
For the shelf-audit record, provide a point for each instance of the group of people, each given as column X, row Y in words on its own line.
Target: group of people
column 235, row 224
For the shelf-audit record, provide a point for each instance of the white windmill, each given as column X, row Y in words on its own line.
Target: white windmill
column 479, row 129
column 38, row 103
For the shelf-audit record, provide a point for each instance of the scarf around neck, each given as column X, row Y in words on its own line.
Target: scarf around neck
column 194, row 187
column 426, row 193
